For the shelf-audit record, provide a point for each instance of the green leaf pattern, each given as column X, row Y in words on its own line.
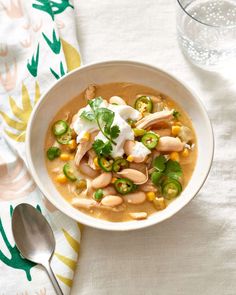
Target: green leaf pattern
column 55, row 44
column 52, row 7
column 62, row 72
column 33, row 65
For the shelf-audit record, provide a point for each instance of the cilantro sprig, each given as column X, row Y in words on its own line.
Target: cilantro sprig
column 104, row 119
column 165, row 169
column 102, row 148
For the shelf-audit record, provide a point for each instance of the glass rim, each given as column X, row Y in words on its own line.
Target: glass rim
column 201, row 22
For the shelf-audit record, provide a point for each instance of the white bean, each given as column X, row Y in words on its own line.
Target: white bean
column 111, row 201
column 102, row 180
column 135, row 198
column 138, row 215
column 83, row 203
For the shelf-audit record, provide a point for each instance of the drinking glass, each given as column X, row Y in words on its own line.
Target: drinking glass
column 207, row 31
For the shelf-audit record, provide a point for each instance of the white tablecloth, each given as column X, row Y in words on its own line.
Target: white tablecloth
column 195, row 251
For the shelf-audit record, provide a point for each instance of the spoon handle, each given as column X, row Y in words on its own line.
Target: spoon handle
column 53, row 278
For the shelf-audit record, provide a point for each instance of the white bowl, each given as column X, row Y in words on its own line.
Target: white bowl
column 116, row 71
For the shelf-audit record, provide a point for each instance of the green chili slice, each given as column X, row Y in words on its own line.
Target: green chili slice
column 69, row 173
column 124, row 186
column 65, row 138
column 60, row 127
column 120, row 164
column 144, row 104
column 150, row 140
column 98, row 195
column 53, row 153
column 105, row 164
column 171, row 188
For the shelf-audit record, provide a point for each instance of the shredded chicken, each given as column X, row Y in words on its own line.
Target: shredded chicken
column 83, row 148
column 91, row 156
column 90, row 92
column 154, row 118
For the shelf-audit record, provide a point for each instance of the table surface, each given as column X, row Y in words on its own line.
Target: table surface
column 195, row 251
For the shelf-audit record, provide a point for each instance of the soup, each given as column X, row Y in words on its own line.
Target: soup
column 120, row 151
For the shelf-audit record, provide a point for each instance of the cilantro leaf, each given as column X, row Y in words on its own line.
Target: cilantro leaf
column 105, row 117
column 95, row 103
column 173, row 166
column 173, row 170
column 160, row 163
column 176, row 114
column 114, row 131
column 102, row 148
column 87, row 115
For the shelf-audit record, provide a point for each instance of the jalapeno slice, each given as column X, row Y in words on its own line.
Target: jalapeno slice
column 124, row 186
column 150, row 140
column 67, row 170
column 120, row 164
column 65, row 138
column 105, row 163
column 53, row 153
column 60, row 127
column 144, row 104
column 171, row 188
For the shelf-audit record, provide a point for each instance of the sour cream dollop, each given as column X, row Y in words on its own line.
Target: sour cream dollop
column 139, row 150
column 122, row 114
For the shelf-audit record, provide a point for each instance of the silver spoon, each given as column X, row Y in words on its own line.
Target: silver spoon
column 34, row 238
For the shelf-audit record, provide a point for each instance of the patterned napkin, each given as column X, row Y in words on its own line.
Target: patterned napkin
column 38, row 45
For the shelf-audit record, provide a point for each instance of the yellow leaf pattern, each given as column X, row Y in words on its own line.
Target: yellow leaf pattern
column 75, row 245
column 65, row 280
column 22, row 114
column 72, row 55
column 73, row 242
column 67, row 261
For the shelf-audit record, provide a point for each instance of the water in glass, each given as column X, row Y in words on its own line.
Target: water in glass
column 207, row 31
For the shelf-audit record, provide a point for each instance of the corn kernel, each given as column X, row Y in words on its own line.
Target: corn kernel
column 81, row 184
column 113, row 180
column 150, row 196
column 138, row 132
column 175, row 130
column 65, row 157
column 72, row 145
column 86, row 136
column 185, row 153
column 95, row 161
column 159, row 203
column 61, row 178
column 174, row 156
column 72, row 157
column 130, row 158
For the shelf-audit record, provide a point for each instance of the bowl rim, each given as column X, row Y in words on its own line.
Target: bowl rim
column 137, row 225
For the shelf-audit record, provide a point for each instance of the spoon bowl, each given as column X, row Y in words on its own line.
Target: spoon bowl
column 34, row 238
